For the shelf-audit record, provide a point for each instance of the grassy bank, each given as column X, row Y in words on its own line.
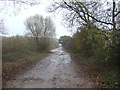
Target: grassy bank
column 16, row 63
column 103, row 75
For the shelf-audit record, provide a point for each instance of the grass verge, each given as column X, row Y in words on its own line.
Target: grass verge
column 14, row 64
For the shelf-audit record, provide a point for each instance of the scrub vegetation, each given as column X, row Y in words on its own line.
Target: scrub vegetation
column 21, row 53
column 96, row 41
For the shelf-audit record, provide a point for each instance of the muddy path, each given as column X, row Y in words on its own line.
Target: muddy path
column 55, row 71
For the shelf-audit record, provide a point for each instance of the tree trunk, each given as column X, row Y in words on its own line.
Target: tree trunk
column 113, row 16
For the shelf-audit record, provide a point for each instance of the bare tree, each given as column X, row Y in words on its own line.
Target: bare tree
column 41, row 29
column 118, row 16
column 84, row 12
column 49, row 30
column 13, row 7
column 2, row 27
column 35, row 26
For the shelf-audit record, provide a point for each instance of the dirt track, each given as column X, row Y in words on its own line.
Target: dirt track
column 55, row 71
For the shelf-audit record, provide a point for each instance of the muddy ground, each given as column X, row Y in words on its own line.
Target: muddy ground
column 55, row 71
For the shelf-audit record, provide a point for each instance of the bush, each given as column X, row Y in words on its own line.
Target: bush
column 26, row 44
column 98, row 48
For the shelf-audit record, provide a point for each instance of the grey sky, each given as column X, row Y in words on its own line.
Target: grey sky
column 15, row 24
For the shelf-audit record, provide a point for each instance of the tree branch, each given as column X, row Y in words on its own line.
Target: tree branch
column 117, row 13
column 88, row 13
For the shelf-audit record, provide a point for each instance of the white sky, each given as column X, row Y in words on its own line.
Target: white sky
column 15, row 24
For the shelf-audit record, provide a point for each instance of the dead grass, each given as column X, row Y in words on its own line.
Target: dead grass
column 14, row 65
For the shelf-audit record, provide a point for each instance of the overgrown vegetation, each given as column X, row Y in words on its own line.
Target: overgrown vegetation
column 20, row 53
column 97, row 38
column 94, row 47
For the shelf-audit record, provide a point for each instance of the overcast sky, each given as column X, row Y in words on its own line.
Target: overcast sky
column 15, row 24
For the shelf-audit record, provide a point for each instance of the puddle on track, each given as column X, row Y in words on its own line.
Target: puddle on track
column 55, row 71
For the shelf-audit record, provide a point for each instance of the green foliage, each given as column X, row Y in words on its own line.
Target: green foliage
column 63, row 40
column 91, row 41
column 101, row 49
